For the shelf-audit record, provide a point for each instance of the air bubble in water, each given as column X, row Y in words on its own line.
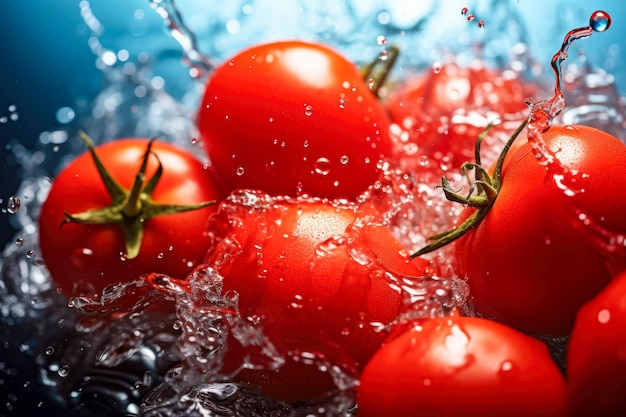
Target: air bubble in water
column 470, row 17
column 481, row 23
column 240, row 171
column 600, row 21
column 308, row 110
column 63, row 371
column 381, row 40
column 464, row 11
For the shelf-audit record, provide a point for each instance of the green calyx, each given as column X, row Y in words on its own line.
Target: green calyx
column 129, row 208
column 483, row 193
column 376, row 72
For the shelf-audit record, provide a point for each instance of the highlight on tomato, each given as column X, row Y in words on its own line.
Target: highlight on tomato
column 596, row 357
column 526, row 244
column 293, row 118
column 322, row 283
column 443, row 110
column 126, row 208
column 462, row 366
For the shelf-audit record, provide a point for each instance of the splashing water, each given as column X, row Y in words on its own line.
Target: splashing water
column 544, row 112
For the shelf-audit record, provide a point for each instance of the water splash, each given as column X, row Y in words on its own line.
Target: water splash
column 544, row 112
column 200, row 65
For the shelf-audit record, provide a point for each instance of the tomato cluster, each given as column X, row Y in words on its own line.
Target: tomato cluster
column 301, row 145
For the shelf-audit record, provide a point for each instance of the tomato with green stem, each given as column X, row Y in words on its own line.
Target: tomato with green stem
column 444, row 110
column 129, row 207
column 596, row 357
column 321, row 281
column 462, row 366
column 293, row 117
column 524, row 243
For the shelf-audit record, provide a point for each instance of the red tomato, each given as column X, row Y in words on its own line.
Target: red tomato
column 445, row 111
column 531, row 262
column 318, row 282
column 291, row 118
column 462, row 366
column 85, row 258
column 596, row 360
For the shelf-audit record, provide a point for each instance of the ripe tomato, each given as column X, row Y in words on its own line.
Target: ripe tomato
column 596, row 360
column 319, row 282
column 462, row 366
column 85, row 258
column 291, row 118
column 532, row 262
column 445, row 111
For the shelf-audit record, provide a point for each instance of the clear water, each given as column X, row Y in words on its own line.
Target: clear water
column 160, row 356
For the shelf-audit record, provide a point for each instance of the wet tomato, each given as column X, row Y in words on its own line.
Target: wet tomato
column 444, row 111
column 98, row 228
column 293, row 117
column 462, row 366
column 537, row 256
column 596, row 359
column 321, row 283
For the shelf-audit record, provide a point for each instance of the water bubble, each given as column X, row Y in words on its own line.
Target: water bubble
column 342, row 103
column 600, row 21
column 13, row 204
column 464, row 11
column 470, row 17
column 381, row 40
column 383, row 55
column 30, row 254
column 49, row 350
column 19, row 241
column 344, row 159
column 240, row 171
column 308, row 110
column 481, row 23
column 322, row 166
column 437, row 67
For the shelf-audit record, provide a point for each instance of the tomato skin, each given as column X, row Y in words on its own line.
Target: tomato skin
column 84, row 259
column 530, row 263
column 445, row 111
column 310, row 288
column 293, row 117
column 462, row 366
column 596, row 359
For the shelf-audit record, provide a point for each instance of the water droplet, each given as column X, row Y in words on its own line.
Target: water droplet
column 342, row 103
column 308, row 110
column 464, row 11
column 63, row 371
column 49, row 350
column 370, row 83
column 383, row 55
column 604, row 316
column 470, row 17
column 194, row 141
column 30, row 254
column 437, row 67
column 507, row 370
column 381, row 40
column 160, row 255
column 19, row 241
column 322, row 166
column 344, row 159
column 13, row 204
column 481, row 23
column 600, row 21
column 240, row 171
column 65, row 115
